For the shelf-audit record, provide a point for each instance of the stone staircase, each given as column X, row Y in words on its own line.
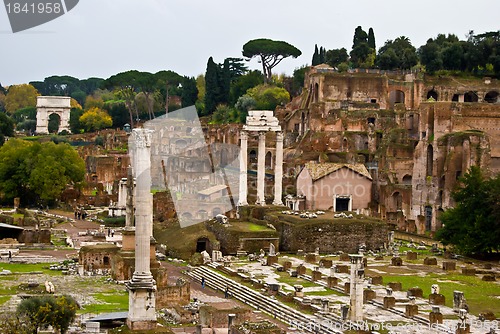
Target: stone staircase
column 318, row 323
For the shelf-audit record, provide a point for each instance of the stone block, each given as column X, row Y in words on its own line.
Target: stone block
column 389, row 301
column 411, row 310
column 301, row 270
column 411, row 255
column 397, row 261
column 272, row 259
column 343, row 269
column 489, row 278
column 325, row 263
column 416, row 292
column 486, row 266
column 347, row 287
column 468, row 271
column 436, row 318
column 316, row 275
column 368, row 295
column 344, row 257
column 332, row 281
column 395, row 286
column 430, row 261
column 436, row 299
column 379, row 258
column 312, row 258
column 449, row 266
column 488, row 315
column 287, row 265
column 377, row 280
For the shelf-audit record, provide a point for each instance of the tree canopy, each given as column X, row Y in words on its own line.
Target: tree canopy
column 95, row 119
column 38, row 172
column 20, row 96
column 473, row 225
column 397, row 54
column 270, row 52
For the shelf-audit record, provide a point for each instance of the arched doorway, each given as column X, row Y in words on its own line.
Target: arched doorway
column 407, row 179
column 470, row 97
column 491, row 97
column 432, row 94
column 395, row 97
column 54, row 123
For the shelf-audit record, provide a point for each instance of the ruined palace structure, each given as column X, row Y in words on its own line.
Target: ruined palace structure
column 415, row 134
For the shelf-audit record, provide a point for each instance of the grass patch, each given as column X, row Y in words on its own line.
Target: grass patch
column 250, row 227
column 112, row 301
column 4, row 299
column 21, row 268
column 481, row 296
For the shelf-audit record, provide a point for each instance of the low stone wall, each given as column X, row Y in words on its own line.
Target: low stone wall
column 335, row 236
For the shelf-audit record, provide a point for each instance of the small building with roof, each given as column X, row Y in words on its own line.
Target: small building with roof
column 334, row 186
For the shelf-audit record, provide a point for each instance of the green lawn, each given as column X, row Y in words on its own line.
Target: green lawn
column 112, row 301
column 26, row 268
column 481, row 296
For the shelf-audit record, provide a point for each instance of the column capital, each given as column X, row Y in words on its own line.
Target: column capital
column 243, row 134
column 262, row 134
column 279, row 136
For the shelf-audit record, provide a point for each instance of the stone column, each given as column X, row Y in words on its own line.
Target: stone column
column 278, row 170
column 356, row 287
column 129, row 203
column 243, row 169
column 261, row 169
column 142, row 287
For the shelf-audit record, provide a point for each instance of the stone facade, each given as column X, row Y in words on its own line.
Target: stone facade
column 48, row 105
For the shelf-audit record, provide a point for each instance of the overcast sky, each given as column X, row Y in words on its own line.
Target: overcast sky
column 99, row 38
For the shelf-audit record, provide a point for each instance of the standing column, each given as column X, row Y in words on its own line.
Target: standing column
column 261, row 169
column 278, row 170
column 243, row 169
column 356, row 288
column 142, row 287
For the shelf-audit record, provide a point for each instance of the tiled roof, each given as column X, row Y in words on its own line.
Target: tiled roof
column 319, row 170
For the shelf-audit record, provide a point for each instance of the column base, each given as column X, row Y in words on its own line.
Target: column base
column 141, row 325
column 243, row 203
column 278, row 203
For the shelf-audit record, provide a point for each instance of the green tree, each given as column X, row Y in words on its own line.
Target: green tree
column 371, row 39
column 473, row 225
column 268, row 97
column 397, row 54
column 336, row 56
column 59, row 312
column 360, row 37
column 189, row 91
column 95, row 119
column 430, row 56
column 74, row 120
column 20, row 96
column 315, row 58
column 224, row 114
column 6, row 127
column 270, row 52
column 299, row 75
column 244, row 83
column 212, row 88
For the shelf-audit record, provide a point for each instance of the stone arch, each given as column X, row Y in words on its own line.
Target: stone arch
column 187, row 215
column 396, row 96
column 491, row 97
column 407, row 179
column 49, row 105
column 54, row 123
column 430, row 160
column 269, row 160
column 316, row 92
column 470, row 96
column 432, row 94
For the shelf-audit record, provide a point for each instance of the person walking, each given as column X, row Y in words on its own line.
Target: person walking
column 226, row 293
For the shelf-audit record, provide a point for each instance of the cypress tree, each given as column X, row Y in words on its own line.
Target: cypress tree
column 322, row 53
column 224, row 82
column 360, row 37
column 371, row 39
column 212, row 91
column 315, row 59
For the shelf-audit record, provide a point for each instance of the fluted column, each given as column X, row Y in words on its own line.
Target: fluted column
column 261, row 168
column 278, row 170
column 243, row 169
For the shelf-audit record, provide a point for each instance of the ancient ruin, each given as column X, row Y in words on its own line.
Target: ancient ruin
column 52, row 105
